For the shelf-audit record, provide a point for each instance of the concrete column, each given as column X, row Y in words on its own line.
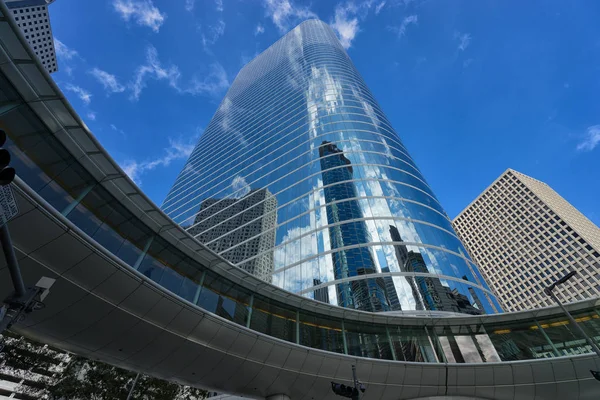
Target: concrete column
column 278, row 397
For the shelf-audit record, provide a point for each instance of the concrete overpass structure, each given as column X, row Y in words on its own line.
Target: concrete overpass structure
column 135, row 290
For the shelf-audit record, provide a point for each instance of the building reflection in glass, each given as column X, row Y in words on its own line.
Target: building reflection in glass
column 321, row 294
column 241, row 229
column 347, row 228
column 429, row 292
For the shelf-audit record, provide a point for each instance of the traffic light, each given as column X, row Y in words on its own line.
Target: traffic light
column 345, row 391
column 7, row 174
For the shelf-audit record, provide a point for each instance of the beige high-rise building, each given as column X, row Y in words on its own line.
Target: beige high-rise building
column 524, row 236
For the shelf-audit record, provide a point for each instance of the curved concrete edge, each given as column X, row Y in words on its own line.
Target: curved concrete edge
column 102, row 309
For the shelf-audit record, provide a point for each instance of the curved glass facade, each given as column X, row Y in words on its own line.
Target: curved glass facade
column 300, row 179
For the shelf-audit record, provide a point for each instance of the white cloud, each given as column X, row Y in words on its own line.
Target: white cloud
column 189, row 5
column 114, row 128
column 401, row 30
column 344, row 24
column 63, row 51
column 213, row 34
column 464, row 40
column 259, row 29
column 91, row 115
column 154, row 70
column 108, row 81
column 227, row 109
column 142, row 11
column 219, row 5
column 240, row 186
column 176, row 150
column 379, row 7
column 83, row 94
column 592, row 139
column 285, row 14
column 215, row 83
column 346, row 19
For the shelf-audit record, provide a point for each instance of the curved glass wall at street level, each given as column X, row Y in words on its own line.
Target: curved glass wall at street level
column 51, row 171
column 300, row 179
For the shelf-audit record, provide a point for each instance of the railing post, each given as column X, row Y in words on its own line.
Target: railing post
column 297, row 327
column 389, row 338
column 250, row 305
column 434, row 348
column 545, row 335
column 197, row 295
column 67, row 210
column 344, row 338
column 143, row 254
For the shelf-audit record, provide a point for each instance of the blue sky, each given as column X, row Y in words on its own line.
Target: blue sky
column 472, row 87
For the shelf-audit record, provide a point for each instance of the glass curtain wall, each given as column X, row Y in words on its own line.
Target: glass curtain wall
column 348, row 218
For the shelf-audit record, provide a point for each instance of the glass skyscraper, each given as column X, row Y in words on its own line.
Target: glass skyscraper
column 300, row 169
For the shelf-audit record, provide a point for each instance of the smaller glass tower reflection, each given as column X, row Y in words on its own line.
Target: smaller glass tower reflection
column 430, row 293
column 347, row 229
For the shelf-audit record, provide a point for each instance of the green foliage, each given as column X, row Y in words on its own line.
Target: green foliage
column 86, row 379
column 82, row 379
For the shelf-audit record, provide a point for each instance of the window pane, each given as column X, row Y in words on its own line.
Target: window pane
column 321, row 333
column 151, row 268
column 273, row 319
column 518, row 341
column 367, row 341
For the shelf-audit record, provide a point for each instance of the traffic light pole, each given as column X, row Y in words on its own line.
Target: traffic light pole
column 356, row 394
column 24, row 299
column 11, row 260
column 351, row 392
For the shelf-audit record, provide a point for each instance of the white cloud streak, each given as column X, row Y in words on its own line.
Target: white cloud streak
column 177, row 149
column 285, row 14
column 591, row 140
column 108, row 81
column 83, row 94
column 240, row 186
column 347, row 17
column 143, row 12
column 464, row 40
column 219, row 5
column 91, row 115
column 189, row 5
column 63, row 51
column 401, row 30
column 379, row 7
column 153, row 70
column 259, row 29
column 114, row 128
column 345, row 24
column 213, row 84
column 213, row 34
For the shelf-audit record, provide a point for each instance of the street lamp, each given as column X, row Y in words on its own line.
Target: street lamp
column 548, row 290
